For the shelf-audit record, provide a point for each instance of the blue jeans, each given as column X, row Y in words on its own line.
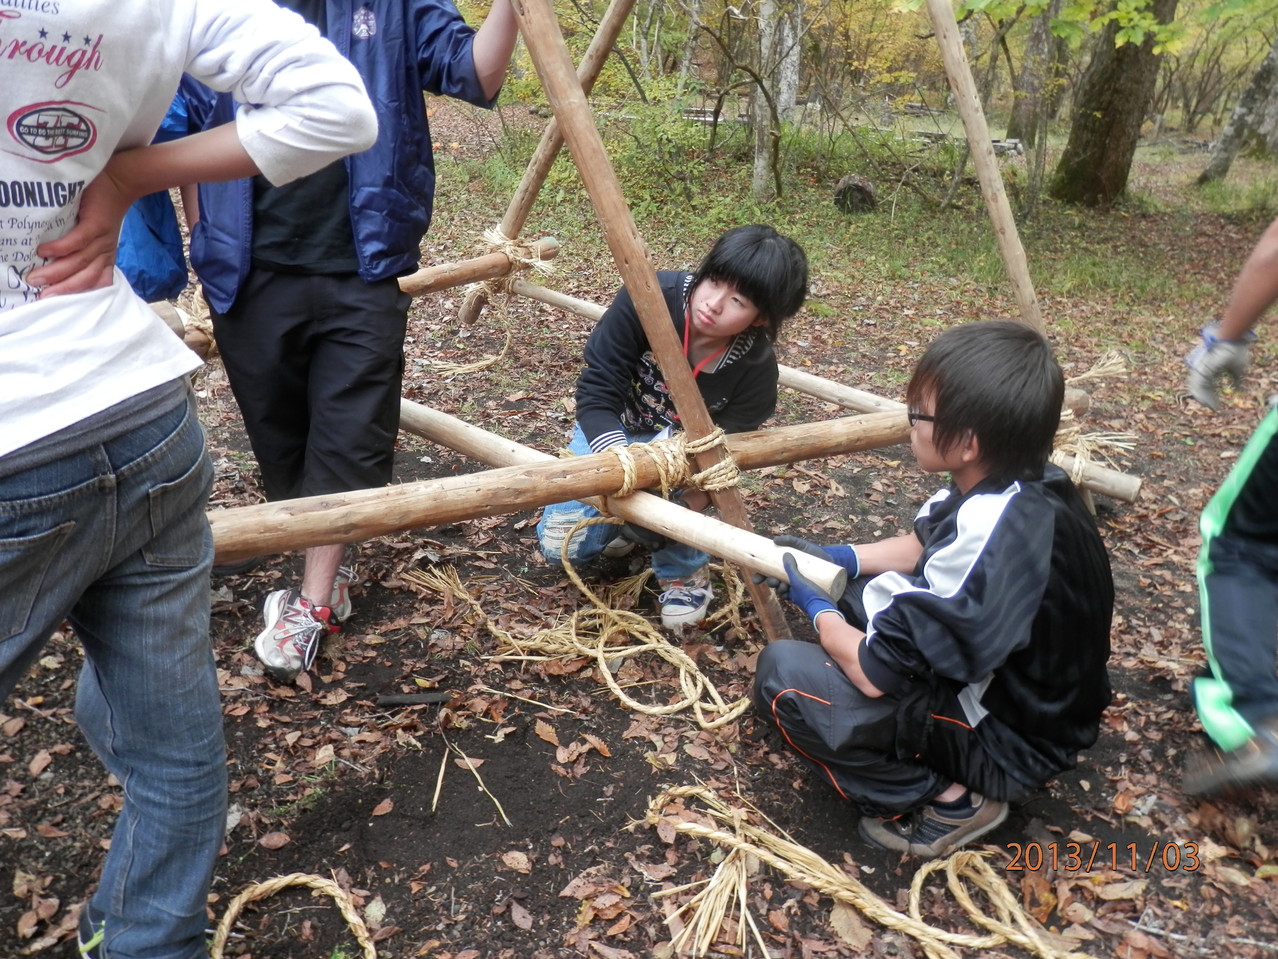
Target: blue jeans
column 112, row 536
column 674, row 561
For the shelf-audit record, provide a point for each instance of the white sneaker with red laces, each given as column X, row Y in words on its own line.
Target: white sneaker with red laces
column 294, row 630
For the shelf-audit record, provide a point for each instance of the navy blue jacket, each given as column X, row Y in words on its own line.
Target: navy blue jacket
column 401, row 48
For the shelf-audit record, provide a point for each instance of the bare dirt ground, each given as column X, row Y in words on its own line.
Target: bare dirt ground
column 513, row 821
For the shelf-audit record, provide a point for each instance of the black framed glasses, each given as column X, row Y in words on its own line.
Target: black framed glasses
column 915, row 418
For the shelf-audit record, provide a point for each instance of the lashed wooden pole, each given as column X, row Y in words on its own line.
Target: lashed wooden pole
column 540, row 29
column 529, row 478
column 487, row 267
column 982, row 147
column 1093, row 477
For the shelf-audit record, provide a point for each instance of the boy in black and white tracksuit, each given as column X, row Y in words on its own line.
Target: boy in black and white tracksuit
column 965, row 664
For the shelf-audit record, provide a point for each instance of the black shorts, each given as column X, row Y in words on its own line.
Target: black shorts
column 317, row 367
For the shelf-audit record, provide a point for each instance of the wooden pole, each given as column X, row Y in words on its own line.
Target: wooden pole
column 982, row 147
column 486, row 267
column 1095, row 478
column 529, row 478
column 552, row 141
column 546, row 47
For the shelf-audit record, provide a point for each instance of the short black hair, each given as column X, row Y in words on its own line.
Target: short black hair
column 997, row 380
column 769, row 269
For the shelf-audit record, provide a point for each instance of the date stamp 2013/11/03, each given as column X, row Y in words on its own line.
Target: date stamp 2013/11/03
column 1087, row 856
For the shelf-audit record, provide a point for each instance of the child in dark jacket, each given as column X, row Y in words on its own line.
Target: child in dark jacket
column 728, row 314
column 965, row 664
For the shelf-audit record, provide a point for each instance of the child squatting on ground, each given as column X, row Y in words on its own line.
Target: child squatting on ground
column 728, row 315
column 964, row 665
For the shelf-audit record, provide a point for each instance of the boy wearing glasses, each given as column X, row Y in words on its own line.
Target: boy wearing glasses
column 964, row 665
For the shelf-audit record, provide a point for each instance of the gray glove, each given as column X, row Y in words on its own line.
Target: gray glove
column 1214, row 358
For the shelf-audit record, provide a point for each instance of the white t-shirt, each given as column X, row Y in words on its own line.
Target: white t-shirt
column 82, row 79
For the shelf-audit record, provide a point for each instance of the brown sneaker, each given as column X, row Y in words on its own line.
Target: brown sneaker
column 928, row 832
column 1254, row 763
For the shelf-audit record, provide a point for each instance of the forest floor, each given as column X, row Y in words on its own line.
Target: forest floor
column 529, row 817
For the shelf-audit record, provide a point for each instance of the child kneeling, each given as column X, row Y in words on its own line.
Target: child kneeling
column 728, row 314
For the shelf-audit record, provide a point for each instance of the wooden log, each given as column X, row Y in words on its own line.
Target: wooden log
column 540, row 29
column 486, row 267
column 987, row 172
column 552, row 140
column 530, row 478
column 1095, row 478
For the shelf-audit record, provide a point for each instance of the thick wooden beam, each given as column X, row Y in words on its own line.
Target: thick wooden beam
column 529, row 478
column 982, row 147
column 552, row 141
column 1098, row 479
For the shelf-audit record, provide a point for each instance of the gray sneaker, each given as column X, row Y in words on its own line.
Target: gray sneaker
column 929, row 832
column 340, row 604
column 1253, row 764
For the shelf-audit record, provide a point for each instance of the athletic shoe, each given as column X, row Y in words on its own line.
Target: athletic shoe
column 930, row 832
column 617, row 547
column 340, row 604
column 684, row 602
column 89, row 934
column 1254, row 763
column 293, row 633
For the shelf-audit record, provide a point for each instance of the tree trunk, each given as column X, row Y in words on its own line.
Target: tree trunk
column 1040, row 71
column 1248, row 114
column 1113, row 98
column 761, row 112
column 789, row 27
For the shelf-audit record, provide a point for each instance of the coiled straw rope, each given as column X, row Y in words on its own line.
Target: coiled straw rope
column 261, row 890
column 735, row 832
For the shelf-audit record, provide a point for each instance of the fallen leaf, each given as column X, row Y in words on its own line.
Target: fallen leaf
column 847, row 925
column 383, row 807
column 547, row 732
column 517, row 861
column 520, row 916
column 274, row 840
column 39, row 762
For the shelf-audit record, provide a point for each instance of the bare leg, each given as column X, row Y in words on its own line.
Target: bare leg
column 320, row 573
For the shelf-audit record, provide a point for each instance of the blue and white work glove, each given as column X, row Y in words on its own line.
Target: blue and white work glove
column 807, row 595
column 841, row 555
column 1214, row 358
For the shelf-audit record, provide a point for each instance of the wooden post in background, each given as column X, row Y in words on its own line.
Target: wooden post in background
column 978, row 140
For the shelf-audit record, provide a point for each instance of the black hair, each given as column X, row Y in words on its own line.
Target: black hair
column 767, row 268
column 998, row 381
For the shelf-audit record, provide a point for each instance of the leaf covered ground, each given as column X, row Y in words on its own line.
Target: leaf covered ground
column 531, row 815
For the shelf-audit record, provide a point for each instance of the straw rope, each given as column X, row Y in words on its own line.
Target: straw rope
column 524, row 257
column 261, row 890
column 737, row 833
column 1074, row 450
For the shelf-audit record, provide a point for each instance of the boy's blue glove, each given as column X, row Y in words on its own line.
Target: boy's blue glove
column 805, row 594
column 841, row 554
